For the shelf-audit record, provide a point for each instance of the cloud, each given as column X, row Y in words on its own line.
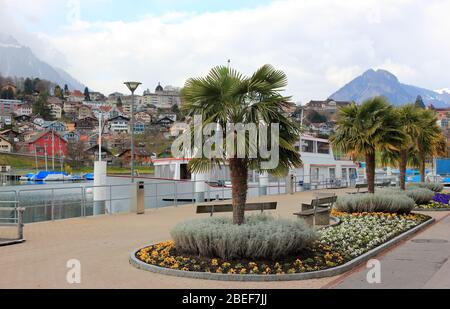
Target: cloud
column 320, row 44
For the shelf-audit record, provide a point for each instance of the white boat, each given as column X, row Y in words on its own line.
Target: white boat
column 320, row 168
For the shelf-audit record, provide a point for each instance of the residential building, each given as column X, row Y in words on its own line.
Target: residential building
column 141, row 156
column 5, row 119
column 76, row 97
column 92, row 153
column 24, row 109
column 9, row 86
column 87, row 123
column 70, row 107
column 119, row 124
column 47, row 142
column 9, row 106
column 139, row 127
column 56, row 110
column 5, row 144
column 84, row 111
column 56, row 126
column 162, row 97
column 143, row 116
column 12, row 135
column 22, row 118
column 165, row 122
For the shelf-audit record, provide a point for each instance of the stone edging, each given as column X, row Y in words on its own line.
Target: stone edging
column 11, row 242
column 286, row 277
column 432, row 209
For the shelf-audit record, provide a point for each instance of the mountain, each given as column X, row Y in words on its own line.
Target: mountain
column 383, row 83
column 17, row 60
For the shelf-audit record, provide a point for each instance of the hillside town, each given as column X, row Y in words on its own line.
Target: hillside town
column 46, row 121
column 62, row 123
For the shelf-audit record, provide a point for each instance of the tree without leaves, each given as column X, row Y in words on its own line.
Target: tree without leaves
column 87, row 97
column 225, row 96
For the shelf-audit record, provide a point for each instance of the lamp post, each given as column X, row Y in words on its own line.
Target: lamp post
column 132, row 86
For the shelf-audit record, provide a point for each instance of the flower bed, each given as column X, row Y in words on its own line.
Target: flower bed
column 440, row 201
column 357, row 234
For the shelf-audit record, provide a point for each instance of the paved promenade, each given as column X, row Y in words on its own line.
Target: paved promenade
column 102, row 244
column 421, row 262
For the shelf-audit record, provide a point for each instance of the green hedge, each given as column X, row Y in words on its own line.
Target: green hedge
column 433, row 186
column 388, row 202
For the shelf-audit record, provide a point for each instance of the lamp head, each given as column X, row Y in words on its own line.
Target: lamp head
column 132, row 85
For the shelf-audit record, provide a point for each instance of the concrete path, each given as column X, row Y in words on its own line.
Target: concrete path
column 102, row 244
column 420, row 262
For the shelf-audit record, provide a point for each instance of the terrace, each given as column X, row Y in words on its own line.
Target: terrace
column 103, row 244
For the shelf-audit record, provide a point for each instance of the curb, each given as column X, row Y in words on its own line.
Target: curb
column 286, row 277
column 12, row 242
column 431, row 209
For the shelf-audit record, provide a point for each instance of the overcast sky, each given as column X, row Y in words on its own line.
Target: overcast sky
column 320, row 44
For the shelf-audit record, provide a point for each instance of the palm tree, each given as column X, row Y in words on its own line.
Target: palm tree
column 429, row 141
column 364, row 129
column 408, row 118
column 225, row 96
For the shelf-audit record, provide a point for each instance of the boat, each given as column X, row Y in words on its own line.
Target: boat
column 320, row 168
column 27, row 177
column 51, row 176
column 88, row 176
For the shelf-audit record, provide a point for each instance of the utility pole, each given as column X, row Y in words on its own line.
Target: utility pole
column 45, row 156
column 53, row 149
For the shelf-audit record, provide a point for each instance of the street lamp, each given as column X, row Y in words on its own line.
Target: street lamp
column 132, row 86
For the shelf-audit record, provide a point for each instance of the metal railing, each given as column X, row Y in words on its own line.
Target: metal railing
column 45, row 203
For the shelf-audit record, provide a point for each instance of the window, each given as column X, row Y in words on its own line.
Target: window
column 323, row 148
column 307, row 146
column 332, row 173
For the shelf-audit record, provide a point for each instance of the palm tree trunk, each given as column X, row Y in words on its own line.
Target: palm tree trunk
column 403, row 163
column 239, row 175
column 370, row 171
column 422, row 167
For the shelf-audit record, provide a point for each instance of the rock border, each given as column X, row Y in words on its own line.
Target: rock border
column 432, row 209
column 285, row 277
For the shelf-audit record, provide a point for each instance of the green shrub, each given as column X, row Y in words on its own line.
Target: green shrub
column 261, row 237
column 389, row 202
column 419, row 195
column 433, row 186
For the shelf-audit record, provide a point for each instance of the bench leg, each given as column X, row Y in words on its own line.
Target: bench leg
column 322, row 218
column 309, row 220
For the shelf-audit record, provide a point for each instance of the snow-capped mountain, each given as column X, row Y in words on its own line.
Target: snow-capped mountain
column 383, row 83
column 443, row 91
column 17, row 60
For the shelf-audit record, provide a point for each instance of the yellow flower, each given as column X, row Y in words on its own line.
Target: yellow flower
column 219, row 270
column 214, row 262
column 226, row 265
column 232, row 271
column 243, row 271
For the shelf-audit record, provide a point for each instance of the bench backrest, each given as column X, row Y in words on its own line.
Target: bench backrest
column 361, row 185
column 206, row 209
column 324, row 201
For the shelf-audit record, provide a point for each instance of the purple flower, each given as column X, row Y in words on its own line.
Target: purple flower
column 442, row 198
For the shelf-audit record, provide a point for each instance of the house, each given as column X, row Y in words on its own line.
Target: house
column 72, row 136
column 86, row 123
column 5, row 144
column 9, row 106
column 144, row 117
column 141, row 156
column 119, row 124
column 84, row 111
column 11, row 135
column 92, row 153
column 24, row 109
column 22, row 118
column 5, row 119
column 165, row 122
column 56, row 126
column 48, row 143
column 139, row 127
column 56, row 110
column 70, row 107
column 76, row 97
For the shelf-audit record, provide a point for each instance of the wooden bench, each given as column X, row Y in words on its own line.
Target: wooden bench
column 318, row 211
column 360, row 186
column 211, row 209
column 384, row 184
column 18, row 221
